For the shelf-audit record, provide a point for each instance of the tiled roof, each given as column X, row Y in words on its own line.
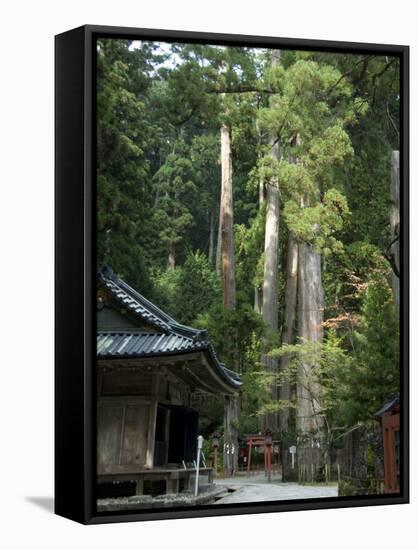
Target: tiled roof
column 143, row 308
column 136, row 344
column 171, row 338
column 390, row 406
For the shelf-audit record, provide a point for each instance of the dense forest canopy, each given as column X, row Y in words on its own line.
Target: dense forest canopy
column 247, row 191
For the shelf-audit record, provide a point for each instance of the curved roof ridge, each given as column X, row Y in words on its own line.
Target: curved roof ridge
column 175, row 337
column 119, row 344
column 153, row 313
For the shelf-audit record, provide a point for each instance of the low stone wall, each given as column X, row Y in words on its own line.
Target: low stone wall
column 145, row 502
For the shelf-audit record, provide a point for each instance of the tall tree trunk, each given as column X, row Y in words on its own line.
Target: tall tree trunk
column 270, row 275
column 309, row 422
column 211, row 237
column 270, row 288
column 226, row 248
column 290, row 309
column 288, row 336
column 226, row 212
column 231, row 434
column 257, row 300
column 258, row 294
column 171, row 259
column 395, row 225
column 257, row 304
column 261, row 194
column 218, row 249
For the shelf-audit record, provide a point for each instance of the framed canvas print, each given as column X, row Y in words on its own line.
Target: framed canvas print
column 231, row 274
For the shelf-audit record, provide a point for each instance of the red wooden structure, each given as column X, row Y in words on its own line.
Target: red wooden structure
column 264, row 441
column 390, row 422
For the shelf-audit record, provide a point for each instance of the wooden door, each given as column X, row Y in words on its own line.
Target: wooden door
column 122, row 433
column 110, row 422
column 134, row 442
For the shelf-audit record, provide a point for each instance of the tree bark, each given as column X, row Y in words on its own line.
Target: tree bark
column 395, row 225
column 309, row 422
column 227, row 260
column 226, row 213
column 288, row 329
column 257, row 304
column 270, row 288
column 258, row 294
column 231, row 434
column 270, row 274
column 218, row 250
column 211, row 237
column 171, row 259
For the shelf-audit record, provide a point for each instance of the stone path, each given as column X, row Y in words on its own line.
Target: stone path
column 257, row 489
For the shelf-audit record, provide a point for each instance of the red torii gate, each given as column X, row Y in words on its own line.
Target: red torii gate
column 258, row 440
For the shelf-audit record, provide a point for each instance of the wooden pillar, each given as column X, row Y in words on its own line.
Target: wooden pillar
column 139, row 486
column 265, row 459
column 172, row 486
column 391, row 424
column 215, row 459
column 152, row 419
column 167, row 434
column 249, row 459
column 151, row 434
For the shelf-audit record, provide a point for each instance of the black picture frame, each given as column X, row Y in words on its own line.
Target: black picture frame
column 75, row 273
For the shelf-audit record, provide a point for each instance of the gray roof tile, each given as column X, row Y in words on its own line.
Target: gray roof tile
column 125, row 344
column 171, row 337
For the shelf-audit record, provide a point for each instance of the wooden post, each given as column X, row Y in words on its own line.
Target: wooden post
column 249, row 459
column 215, row 460
column 149, row 462
column 172, row 486
column 265, row 458
column 139, row 486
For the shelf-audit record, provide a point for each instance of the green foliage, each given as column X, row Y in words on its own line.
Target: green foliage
column 328, row 358
column 249, row 242
column 354, row 382
column 174, row 188
column 317, row 224
column 122, row 139
column 188, row 291
column 375, row 373
column 232, row 332
column 346, row 278
column 335, row 118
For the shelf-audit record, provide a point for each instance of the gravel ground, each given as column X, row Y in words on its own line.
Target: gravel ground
column 257, row 489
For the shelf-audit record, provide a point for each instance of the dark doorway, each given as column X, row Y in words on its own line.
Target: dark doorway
column 161, row 442
column 183, row 434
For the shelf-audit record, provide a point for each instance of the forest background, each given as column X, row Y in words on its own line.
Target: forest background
column 248, row 192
